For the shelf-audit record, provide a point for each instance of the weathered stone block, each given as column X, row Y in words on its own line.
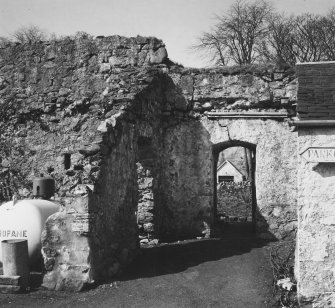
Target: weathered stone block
column 8, row 289
column 148, row 227
column 158, row 56
column 9, row 280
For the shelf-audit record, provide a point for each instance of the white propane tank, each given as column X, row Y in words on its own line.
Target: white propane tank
column 24, row 219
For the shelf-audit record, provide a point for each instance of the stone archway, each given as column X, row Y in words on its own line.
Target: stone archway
column 219, row 147
column 275, row 172
column 189, row 166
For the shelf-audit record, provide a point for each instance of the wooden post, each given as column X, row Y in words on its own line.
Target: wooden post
column 15, row 260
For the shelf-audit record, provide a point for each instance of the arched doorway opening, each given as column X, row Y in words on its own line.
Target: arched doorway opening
column 234, row 196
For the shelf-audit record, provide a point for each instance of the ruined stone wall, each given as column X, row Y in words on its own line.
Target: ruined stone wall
column 146, row 181
column 276, row 179
column 238, row 89
column 79, row 111
column 60, row 104
column 53, row 96
column 188, row 182
column 230, row 91
column 234, row 200
column 189, row 178
column 187, row 202
column 113, row 207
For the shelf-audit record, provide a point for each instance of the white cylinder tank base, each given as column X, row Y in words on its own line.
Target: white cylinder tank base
column 25, row 220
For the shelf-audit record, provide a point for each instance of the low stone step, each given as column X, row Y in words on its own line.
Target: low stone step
column 8, row 289
column 9, row 280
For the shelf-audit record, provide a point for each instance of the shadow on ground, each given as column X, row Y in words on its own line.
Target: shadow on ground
column 236, row 239
column 231, row 271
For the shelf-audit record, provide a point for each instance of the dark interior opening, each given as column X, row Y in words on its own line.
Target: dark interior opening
column 67, row 161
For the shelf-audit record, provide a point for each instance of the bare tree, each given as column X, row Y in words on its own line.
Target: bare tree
column 252, row 32
column 238, row 34
column 29, row 34
column 303, row 38
column 278, row 46
column 211, row 46
column 327, row 35
column 308, row 44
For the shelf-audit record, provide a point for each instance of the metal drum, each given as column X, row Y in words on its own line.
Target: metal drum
column 44, row 187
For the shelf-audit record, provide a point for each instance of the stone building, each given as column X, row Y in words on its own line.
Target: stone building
column 133, row 140
column 315, row 261
column 228, row 172
column 239, row 157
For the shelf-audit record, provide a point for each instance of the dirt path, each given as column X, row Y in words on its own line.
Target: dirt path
column 231, row 272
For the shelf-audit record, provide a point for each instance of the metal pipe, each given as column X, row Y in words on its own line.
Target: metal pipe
column 267, row 115
column 312, row 123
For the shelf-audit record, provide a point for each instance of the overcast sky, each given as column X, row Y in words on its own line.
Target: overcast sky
column 176, row 22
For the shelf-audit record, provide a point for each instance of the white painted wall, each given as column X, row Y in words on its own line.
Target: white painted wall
column 315, row 255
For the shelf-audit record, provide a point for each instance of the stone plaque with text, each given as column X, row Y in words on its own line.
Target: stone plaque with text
column 319, row 155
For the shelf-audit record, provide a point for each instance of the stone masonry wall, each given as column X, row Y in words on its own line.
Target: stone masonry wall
column 112, row 210
column 78, row 110
column 147, row 179
column 54, row 93
column 188, row 182
column 58, row 100
column 145, row 210
column 275, row 174
column 189, row 178
column 234, row 200
column 237, row 89
column 249, row 89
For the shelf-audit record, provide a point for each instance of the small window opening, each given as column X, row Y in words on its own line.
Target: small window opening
column 67, row 161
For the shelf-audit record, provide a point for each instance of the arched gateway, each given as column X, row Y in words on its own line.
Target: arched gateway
column 132, row 140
